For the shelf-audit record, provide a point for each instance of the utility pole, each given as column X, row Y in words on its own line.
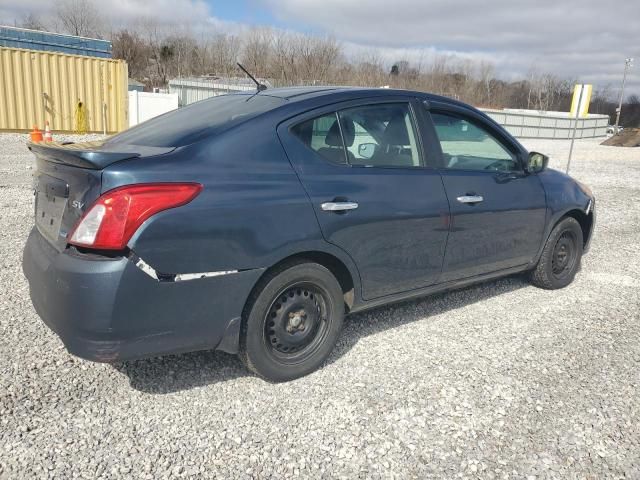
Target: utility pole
column 575, row 125
column 628, row 63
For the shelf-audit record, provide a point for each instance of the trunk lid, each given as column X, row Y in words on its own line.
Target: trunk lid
column 68, row 179
column 92, row 155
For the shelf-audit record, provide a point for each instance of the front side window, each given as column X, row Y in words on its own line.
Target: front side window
column 382, row 135
column 467, row 146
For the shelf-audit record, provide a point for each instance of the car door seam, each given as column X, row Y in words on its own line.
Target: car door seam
column 315, row 214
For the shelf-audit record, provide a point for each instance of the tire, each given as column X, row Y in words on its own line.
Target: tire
column 292, row 321
column 561, row 256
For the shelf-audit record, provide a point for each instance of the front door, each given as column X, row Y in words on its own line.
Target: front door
column 497, row 210
column 362, row 165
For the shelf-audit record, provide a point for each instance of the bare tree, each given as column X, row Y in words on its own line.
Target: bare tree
column 367, row 70
column 156, row 53
column 257, row 50
column 486, row 72
column 316, row 57
column 161, row 54
column 224, row 54
column 130, row 47
column 601, row 99
column 33, row 22
column 631, row 112
column 284, row 68
column 185, row 56
column 79, row 17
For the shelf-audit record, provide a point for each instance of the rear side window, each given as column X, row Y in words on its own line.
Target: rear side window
column 322, row 135
column 381, row 135
column 197, row 121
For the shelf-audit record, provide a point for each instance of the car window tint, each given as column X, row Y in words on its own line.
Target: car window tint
column 322, row 135
column 380, row 135
column 467, row 146
column 197, row 121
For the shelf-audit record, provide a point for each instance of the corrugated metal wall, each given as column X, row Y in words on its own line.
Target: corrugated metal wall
column 191, row 90
column 36, row 86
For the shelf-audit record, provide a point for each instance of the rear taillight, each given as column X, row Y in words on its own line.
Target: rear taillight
column 113, row 219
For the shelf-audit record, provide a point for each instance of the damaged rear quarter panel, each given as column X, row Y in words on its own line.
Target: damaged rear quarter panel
column 159, row 307
column 251, row 213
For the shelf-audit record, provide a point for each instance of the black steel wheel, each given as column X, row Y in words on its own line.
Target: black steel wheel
column 297, row 322
column 292, row 321
column 560, row 258
column 564, row 255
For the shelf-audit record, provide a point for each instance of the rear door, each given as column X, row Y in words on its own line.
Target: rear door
column 363, row 166
column 497, row 210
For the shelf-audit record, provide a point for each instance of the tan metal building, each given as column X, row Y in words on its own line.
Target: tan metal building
column 73, row 92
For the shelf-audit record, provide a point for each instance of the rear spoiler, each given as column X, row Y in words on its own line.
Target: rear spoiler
column 92, row 155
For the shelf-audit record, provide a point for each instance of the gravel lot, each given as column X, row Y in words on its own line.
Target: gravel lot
column 500, row 380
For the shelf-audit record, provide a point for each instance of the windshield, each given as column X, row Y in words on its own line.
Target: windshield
column 196, row 121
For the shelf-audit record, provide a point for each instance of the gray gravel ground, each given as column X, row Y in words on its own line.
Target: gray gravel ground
column 500, row 380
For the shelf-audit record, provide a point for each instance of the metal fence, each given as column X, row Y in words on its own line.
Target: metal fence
column 520, row 123
column 536, row 124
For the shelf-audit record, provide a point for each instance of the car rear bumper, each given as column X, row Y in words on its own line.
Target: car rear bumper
column 108, row 310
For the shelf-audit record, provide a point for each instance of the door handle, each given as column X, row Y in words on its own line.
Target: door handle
column 338, row 206
column 470, row 199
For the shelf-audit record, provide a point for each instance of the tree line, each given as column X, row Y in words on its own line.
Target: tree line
column 157, row 53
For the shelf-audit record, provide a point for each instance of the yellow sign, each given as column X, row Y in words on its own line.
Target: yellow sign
column 581, row 99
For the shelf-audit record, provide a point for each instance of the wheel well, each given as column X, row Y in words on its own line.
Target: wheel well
column 331, row 263
column 585, row 221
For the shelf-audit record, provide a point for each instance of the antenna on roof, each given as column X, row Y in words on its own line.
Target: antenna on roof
column 260, row 86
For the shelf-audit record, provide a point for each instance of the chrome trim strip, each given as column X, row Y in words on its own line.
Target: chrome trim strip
column 179, row 277
column 588, row 207
column 146, row 268
column 182, row 277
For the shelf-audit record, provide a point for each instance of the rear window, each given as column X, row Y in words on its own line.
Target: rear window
column 197, row 121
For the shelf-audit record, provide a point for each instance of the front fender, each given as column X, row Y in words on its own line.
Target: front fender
column 563, row 196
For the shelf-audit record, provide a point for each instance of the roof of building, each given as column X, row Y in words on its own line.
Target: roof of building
column 218, row 83
column 13, row 37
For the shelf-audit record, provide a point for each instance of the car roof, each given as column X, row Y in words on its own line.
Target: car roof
column 295, row 94
column 288, row 93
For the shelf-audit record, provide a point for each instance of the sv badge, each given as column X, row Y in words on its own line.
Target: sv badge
column 77, row 204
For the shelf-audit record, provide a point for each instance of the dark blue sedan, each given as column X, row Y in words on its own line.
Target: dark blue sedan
column 252, row 223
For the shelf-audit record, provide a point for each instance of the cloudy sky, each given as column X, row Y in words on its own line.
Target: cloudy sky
column 583, row 39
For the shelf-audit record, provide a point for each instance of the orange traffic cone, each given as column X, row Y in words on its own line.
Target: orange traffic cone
column 47, row 132
column 36, row 135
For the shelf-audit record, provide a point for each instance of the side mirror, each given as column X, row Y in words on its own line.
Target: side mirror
column 366, row 150
column 537, row 162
